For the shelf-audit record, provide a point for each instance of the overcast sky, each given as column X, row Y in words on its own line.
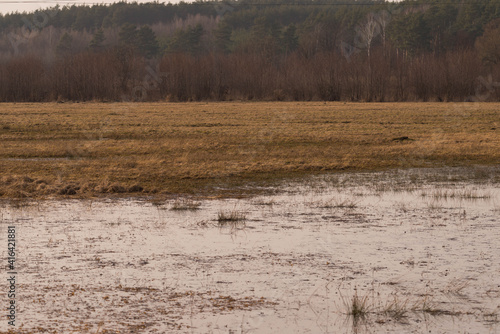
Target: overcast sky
column 8, row 6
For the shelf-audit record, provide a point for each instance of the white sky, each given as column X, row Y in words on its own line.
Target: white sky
column 9, row 6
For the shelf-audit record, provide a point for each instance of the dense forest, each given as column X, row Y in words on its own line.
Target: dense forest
column 365, row 50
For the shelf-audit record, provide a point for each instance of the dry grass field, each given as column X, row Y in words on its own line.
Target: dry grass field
column 214, row 149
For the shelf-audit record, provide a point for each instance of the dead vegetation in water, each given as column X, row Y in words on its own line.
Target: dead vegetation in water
column 338, row 203
column 496, row 207
column 230, row 217
column 264, row 202
column 396, row 308
column 185, row 204
column 167, row 304
column 362, row 308
column 358, row 306
column 149, row 149
column 456, row 287
column 468, row 194
column 435, row 206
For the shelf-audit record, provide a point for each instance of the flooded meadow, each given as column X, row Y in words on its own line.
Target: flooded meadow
column 402, row 251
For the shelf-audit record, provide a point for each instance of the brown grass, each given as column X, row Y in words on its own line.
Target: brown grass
column 95, row 149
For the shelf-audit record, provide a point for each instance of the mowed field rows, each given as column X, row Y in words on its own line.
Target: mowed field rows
column 211, row 149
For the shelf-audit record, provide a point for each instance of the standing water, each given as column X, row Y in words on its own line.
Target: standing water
column 414, row 251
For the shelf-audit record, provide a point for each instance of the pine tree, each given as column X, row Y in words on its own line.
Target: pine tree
column 488, row 44
column 223, row 36
column 128, row 35
column 410, row 33
column 194, row 39
column 65, row 44
column 96, row 42
column 187, row 40
column 290, row 40
column 147, row 42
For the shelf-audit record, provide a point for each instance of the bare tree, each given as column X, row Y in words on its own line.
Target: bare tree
column 366, row 31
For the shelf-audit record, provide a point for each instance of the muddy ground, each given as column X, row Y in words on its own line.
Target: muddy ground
column 392, row 252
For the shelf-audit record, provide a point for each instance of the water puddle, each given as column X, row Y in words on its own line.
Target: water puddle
column 365, row 253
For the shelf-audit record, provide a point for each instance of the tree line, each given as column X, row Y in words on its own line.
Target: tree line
column 254, row 50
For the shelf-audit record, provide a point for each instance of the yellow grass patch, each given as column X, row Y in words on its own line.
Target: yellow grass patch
column 90, row 149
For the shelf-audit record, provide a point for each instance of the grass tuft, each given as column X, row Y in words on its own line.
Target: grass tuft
column 396, row 309
column 185, row 205
column 230, row 217
column 338, row 203
column 456, row 287
column 359, row 306
column 457, row 194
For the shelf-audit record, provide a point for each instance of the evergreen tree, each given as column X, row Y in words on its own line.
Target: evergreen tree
column 96, row 42
column 440, row 18
column 469, row 18
column 223, row 34
column 187, row 40
column 194, row 39
column 65, row 44
column 265, row 37
column 269, row 26
column 128, row 35
column 147, row 42
column 488, row 44
column 410, row 33
column 290, row 39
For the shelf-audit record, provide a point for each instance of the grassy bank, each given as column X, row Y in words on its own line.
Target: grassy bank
column 95, row 149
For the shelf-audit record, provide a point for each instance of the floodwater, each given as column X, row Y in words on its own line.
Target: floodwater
column 415, row 253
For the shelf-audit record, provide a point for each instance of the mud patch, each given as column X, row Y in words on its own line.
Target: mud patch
column 377, row 252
